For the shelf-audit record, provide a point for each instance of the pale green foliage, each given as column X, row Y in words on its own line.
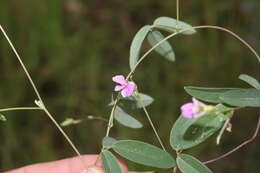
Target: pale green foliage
column 164, row 49
column 125, row 119
column 144, row 153
column 110, row 163
column 242, row 97
column 188, row 164
column 187, row 133
column 108, row 141
column 207, row 94
column 250, row 80
column 137, row 44
column 172, row 25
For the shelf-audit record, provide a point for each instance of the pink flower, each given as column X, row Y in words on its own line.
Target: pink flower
column 195, row 109
column 186, row 110
column 126, row 88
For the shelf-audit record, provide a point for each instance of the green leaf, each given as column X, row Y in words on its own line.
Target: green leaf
column 2, row 117
column 134, row 102
column 242, row 97
column 136, row 45
column 164, row 48
column 144, row 153
column 188, row 164
column 143, row 100
column 126, row 119
column 171, row 25
column 108, row 141
column 110, row 163
column 250, row 80
column 207, row 94
column 187, row 133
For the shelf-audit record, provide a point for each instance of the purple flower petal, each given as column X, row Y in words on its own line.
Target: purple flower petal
column 187, row 110
column 119, row 87
column 119, row 79
column 187, row 115
column 128, row 90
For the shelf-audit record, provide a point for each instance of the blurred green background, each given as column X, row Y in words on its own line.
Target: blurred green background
column 72, row 48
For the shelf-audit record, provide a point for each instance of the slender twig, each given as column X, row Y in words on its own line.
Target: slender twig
column 63, row 133
column 224, row 127
column 222, row 130
column 21, row 62
column 111, row 118
column 42, row 106
column 177, row 13
column 152, row 125
column 238, row 147
column 91, row 117
column 19, row 108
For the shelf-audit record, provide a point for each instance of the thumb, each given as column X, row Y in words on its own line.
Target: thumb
column 93, row 169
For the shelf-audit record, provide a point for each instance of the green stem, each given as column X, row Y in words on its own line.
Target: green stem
column 224, row 127
column 152, row 125
column 177, row 13
column 19, row 108
column 63, row 133
column 111, row 118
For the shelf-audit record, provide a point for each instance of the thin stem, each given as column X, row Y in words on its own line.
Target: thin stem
column 152, row 125
column 177, row 13
column 230, row 115
column 222, row 130
column 195, row 27
column 19, row 108
column 239, row 146
column 21, row 62
column 63, row 133
column 111, row 118
column 38, row 95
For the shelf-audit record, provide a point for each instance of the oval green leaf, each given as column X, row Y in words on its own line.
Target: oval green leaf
column 144, row 153
column 136, row 45
column 187, row 133
column 171, row 25
column 126, row 119
column 108, row 141
column 250, row 80
column 135, row 102
column 207, row 94
column 143, row 100
column 242, row 97
column 110, row 163
column 164, row 49
column 188, row 164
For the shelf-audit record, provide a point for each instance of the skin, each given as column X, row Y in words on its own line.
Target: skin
column 92, row 163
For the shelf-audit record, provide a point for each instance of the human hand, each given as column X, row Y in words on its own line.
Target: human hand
column 92, row 163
